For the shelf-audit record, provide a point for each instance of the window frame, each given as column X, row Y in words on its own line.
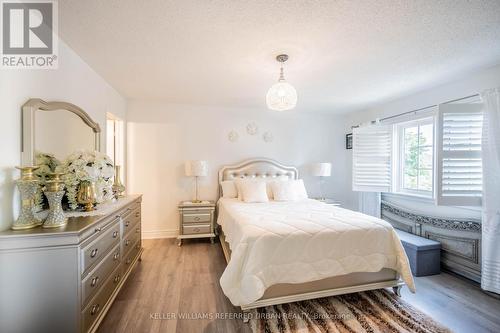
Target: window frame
column 399, row 156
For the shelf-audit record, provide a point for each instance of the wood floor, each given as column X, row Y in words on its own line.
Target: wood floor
column 173, row 282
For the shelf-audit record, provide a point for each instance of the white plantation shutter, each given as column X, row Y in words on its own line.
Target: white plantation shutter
column 372, row 158
column 459, row 167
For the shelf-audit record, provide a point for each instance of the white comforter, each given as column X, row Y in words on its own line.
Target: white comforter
column 302, row 241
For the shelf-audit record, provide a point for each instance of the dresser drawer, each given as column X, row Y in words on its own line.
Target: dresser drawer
column 129, row 258
column 131, row 220
column 196, row 218
column 95, row 250
column 130, row 239
column 97, row 304
column 93, row 281
column 196, row 229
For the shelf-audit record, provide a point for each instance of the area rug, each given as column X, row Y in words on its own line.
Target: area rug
column 369, row 311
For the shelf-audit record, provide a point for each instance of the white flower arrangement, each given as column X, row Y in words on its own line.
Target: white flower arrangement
column 90, row 166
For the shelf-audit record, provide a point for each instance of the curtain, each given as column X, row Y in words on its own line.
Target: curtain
column 369, row 203
column 490, row 275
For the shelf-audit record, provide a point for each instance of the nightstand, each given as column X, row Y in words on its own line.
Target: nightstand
column 196, row 220
column 329, row 201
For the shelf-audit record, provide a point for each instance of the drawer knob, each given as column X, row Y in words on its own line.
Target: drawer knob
column 98, row 229
column 116, row 279
column 93, row 253
column 94, row 309
column 116, row 256
column 127, row 242
column 196, row 218
column 127, row 223
column 196, row 229
column 115, row 234
column 94, row 281
column 137, row 230
column 137, row 214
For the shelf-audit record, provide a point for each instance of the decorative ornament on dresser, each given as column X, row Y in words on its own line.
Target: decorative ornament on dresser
column 233, row 136
column 118, row 187
column 268, row 137
column 54, row 191
column 28, row 186
column 282, row 95
column 252, row 128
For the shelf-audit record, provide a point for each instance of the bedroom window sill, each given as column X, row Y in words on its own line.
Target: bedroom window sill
column 410, row 196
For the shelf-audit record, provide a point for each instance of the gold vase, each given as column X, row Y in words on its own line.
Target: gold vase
column 86, row 195
column 118, row 187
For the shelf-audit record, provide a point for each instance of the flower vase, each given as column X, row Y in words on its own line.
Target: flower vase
column 118, row 187
column 87, row 195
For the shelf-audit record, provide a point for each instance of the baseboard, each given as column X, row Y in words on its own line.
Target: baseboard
column 165, row 233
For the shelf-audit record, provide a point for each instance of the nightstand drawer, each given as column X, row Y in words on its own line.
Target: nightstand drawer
column 196, row 218
column 196, row 229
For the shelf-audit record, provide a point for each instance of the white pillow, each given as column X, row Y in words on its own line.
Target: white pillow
column 291, row 190
column 253, row 191
column 269, row 181
column 229, row 189
column 300, row 189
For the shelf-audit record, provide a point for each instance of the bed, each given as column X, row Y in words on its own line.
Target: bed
column 280, row 252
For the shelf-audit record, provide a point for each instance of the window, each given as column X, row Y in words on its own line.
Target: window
column 416, row 157
column 459, row 171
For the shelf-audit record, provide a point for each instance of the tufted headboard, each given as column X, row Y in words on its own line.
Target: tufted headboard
column 256, row 168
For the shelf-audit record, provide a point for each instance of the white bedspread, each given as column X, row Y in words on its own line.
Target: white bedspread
column 296, row 242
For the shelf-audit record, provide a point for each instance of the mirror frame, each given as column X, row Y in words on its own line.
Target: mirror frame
column 28, row 125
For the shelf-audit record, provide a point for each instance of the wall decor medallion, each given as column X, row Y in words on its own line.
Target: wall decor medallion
column 268, row 137
column 252, row 128
column 233, row 136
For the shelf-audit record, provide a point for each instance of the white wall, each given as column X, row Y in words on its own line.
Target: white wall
column 73, row 82
column 467, row 85
column 162, row 137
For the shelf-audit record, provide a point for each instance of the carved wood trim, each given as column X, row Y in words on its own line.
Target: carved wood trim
column 438, row 222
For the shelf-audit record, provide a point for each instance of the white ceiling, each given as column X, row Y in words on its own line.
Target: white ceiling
column 344, row 55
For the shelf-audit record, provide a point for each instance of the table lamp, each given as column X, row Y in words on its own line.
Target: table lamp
column 321, row 170
column 196, row 169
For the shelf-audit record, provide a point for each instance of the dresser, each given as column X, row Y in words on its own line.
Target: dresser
column 196, row 220
column 65, row 280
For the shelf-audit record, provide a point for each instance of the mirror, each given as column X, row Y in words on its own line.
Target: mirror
column 56, row 128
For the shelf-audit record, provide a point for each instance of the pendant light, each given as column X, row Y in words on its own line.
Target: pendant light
column 282, row 95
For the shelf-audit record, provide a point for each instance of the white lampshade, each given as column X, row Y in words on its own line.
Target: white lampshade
column 196, row 168
column 281, row 96
column 321, row 169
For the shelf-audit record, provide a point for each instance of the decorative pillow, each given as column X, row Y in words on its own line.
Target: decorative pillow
column 253, row 191
column 229, row 189
column 269, row 181
column 300, row 189
column 291, row 190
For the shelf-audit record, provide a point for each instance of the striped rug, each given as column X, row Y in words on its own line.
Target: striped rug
column 369, row 311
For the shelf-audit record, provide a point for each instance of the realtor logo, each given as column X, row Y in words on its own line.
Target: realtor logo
column 29, row 34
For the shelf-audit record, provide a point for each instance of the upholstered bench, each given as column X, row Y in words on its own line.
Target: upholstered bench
column 424, row 254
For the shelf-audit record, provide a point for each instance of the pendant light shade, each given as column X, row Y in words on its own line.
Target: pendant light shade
column 282, row 95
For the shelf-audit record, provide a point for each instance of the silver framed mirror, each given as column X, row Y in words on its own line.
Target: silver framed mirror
column 57, row 128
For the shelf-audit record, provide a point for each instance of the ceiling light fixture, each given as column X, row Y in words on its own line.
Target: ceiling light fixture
column 282, row 95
